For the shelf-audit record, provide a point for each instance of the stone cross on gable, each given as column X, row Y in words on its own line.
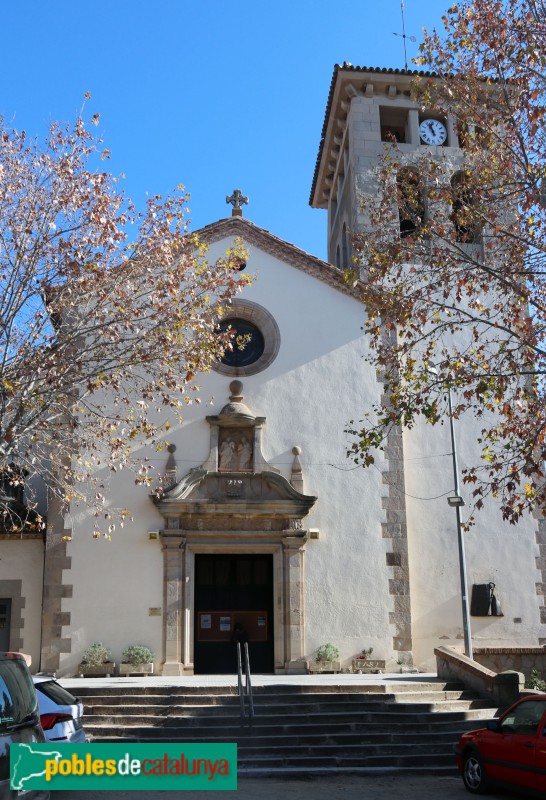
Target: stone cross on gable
column 237, row 200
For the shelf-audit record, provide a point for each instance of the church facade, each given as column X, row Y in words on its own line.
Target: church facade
column 265, row 521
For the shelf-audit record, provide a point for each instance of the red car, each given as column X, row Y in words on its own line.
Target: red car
column 510, row 752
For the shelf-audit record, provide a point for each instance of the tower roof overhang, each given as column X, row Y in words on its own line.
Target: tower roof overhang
column 349, row 81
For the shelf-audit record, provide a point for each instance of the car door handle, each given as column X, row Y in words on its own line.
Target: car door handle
column 529, row 744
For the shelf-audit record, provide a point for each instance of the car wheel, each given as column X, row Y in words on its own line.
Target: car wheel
column 474, row 775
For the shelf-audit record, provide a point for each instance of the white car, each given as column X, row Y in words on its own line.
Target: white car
column 61, row 713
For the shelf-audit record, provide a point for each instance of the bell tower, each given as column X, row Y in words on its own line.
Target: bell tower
column 371, row 113
column 369, row 109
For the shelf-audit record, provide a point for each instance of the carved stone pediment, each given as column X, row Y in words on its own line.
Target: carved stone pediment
column 222, row 493
column 235, row 488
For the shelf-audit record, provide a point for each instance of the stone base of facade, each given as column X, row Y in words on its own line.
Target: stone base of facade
column 176, row 669
column 293, row 668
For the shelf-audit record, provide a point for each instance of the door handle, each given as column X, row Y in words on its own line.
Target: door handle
column 529, row 744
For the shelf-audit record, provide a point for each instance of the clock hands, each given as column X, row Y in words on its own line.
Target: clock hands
column 432, row 131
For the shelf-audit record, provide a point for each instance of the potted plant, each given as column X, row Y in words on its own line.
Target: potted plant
column 326, row 659
column 96, row 660
column 363, row 662
column 137, row 658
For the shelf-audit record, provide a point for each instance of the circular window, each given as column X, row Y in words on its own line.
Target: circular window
column 247, row 343
column 256, row 340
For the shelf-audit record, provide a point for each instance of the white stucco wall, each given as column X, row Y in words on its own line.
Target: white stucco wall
column 318, row 382
column 495, row 550
column 115, row 582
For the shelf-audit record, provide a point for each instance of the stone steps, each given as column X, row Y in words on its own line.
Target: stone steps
column 384, row 687
column 297, row 729
column 176, row 704
column 264, row 717
column 288, row 734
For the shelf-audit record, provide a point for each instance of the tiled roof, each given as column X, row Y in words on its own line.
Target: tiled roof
column 254, row 235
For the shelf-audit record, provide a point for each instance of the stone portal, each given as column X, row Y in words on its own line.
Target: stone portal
column 237, row 505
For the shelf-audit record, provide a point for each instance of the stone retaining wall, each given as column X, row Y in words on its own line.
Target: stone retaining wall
column 520, row 659
column 503, row 688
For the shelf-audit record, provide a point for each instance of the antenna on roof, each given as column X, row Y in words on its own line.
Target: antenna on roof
column 403, row 35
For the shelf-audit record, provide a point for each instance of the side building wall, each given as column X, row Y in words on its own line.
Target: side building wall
column 21, row 578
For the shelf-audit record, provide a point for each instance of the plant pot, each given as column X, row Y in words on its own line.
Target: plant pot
column 324, row 666
column 136, row 669
column 93, row 670
column 368, row 665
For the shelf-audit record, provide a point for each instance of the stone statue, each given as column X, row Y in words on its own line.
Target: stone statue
column 227, row 452
column 245, row 454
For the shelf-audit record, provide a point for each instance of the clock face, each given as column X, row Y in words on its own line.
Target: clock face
column 432, row 131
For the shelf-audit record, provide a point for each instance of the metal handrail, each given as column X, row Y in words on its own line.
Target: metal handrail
column 247, row 688
column 249, row 685
column 240, row 683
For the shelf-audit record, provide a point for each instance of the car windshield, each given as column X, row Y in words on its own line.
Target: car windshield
column 17, row 697
column 55, row 692
column 524, row 718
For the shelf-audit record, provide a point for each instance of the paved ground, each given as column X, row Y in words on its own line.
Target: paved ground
column 341, row 679
column 355, row 787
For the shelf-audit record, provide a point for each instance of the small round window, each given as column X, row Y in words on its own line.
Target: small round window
column 247, row 343
column 256, row 340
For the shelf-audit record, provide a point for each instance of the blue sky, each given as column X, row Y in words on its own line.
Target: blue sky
column 208, row 93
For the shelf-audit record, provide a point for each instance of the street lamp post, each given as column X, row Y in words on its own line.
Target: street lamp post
column 456, row 502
